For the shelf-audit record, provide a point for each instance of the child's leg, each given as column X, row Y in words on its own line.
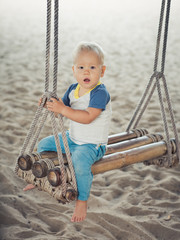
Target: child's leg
column 83, row 156
column 29, row 187
column 48, row 143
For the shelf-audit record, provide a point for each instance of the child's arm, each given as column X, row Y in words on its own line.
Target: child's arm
column 80, row 116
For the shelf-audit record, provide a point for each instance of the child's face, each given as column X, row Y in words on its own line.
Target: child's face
column 88, row 69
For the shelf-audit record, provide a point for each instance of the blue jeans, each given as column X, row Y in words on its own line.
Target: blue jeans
column 83, row 156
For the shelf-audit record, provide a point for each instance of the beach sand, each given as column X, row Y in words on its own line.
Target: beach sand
column 133, row 203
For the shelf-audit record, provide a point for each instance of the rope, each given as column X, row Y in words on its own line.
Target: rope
column 59, row 152
column 56, row 20
column 140, row 105
column 30, row 134
column 172, row 117
column 37, row 155
column 159, row 35
column 39, row 119
column 165, row 36
column 156, row 77
column 68, row 155
column 38, row 130
column 49, row 163
column 169, row 151
column 48, row 39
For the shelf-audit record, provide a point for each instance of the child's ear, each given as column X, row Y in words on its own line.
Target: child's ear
column 103, row 70
column 73, row 69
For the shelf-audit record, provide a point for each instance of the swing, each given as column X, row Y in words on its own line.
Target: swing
column 53, row 171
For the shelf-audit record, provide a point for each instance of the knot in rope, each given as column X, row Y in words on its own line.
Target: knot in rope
column 158, row 75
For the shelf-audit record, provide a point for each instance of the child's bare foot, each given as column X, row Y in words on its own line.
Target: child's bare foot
column 29, row 187
column 80, row 211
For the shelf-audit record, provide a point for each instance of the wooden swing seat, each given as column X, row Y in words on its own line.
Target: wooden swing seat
column 123, row 149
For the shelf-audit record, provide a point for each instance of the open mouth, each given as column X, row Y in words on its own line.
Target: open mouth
column 86, row 80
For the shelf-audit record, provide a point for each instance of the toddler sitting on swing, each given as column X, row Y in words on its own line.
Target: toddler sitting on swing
column 88, row 106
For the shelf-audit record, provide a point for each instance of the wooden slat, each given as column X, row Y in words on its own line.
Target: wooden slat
column 128, row 157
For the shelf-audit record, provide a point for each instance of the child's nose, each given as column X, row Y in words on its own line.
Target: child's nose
column 86, row 70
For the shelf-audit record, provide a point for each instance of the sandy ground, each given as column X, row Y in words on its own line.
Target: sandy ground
column 134, row 203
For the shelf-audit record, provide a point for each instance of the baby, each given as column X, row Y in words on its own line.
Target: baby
column 88, row 106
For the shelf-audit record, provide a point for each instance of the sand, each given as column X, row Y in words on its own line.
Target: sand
column 134, row 203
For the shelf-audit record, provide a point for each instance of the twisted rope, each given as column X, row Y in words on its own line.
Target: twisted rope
column 163, row 59
column 68, row 155
column 37, row 155
column 159, row 35
column 49, row 163
column 60, row 157
column 142, row 101
column 40, row 108
column 172, row 118
column 38, row 130
column 169, row 151
column 59, row 152
column 56, row 20
column 36, row 127
column 48, row 41
column 156, row 77
column 30, row 134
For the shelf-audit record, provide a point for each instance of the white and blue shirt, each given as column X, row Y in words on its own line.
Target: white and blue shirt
column 97, row 131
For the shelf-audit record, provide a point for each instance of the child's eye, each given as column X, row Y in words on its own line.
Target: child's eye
column 80, row 67
column 93, row 67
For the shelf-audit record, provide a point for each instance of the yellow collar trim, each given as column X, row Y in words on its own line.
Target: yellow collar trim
column 76, row 92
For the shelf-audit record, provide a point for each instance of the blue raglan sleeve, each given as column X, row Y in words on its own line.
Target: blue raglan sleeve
column 99, row 98
column 65, row 98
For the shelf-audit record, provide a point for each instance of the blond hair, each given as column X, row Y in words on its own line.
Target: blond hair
column 89, row 46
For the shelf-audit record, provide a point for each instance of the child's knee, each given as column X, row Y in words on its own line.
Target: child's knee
column 46, row 144
column 41, row 146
